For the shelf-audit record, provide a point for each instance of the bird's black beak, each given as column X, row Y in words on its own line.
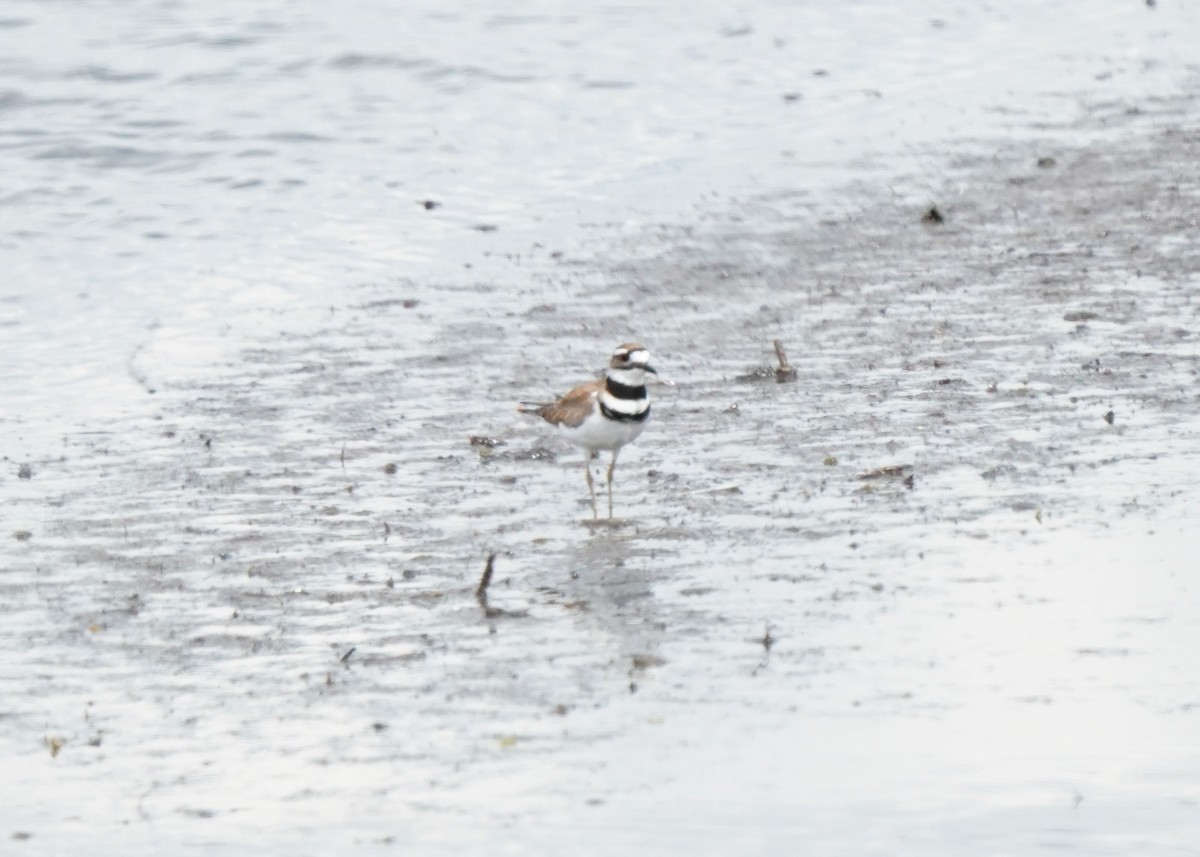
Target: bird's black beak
column 649, row 368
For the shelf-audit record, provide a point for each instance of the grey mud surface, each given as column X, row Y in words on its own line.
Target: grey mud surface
column 250, row 615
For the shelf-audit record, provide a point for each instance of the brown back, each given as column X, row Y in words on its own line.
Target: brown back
column 573, row 408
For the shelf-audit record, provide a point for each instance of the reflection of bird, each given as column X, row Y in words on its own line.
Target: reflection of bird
column 603, row 414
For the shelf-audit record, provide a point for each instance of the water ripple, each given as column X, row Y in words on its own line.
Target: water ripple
column 104, row 74
column 104, row 157
column 431, row 70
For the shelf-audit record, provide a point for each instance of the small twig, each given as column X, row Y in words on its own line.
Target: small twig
column 767, row 640
column 346, row 657
column 781, row 356
column 343, row 456
column 485, row 581
column 785, row 372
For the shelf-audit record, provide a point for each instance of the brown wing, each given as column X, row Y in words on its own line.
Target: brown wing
column 573, row 408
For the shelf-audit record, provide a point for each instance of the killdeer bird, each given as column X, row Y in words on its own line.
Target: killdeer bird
column 603, row 414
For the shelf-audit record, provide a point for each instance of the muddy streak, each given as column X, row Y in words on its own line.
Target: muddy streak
column 190, row 584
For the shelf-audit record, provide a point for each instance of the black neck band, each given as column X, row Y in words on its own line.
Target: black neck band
column 624, row 391
column 620, row 417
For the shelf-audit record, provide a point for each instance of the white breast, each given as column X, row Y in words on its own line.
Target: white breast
column 596, row 432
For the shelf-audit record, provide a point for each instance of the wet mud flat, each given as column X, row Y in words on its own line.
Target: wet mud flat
column 940, row 580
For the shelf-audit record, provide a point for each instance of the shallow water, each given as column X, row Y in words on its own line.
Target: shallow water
column 238, row 581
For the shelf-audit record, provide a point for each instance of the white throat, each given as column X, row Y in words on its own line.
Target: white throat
column 631, row 377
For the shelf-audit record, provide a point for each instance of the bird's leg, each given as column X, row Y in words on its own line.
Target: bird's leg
column 611, row 468
column 587, row 468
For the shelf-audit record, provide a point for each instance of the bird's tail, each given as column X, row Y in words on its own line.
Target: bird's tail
column 534, row 408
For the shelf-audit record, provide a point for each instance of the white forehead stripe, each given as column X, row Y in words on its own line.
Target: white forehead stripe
column 640, row 356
